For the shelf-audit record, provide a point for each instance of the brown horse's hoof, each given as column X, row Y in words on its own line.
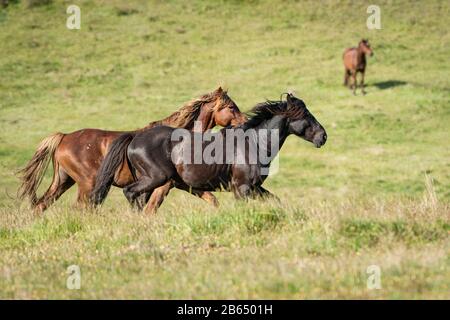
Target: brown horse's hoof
column 149, row 211
column 38, row 210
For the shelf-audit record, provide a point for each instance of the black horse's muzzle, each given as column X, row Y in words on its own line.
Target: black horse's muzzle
column 320, row 139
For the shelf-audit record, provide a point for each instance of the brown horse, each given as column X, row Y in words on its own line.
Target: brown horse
column 354, row 62
column 77, row 156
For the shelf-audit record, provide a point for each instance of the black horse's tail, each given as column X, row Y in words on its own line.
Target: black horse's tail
column 117, row 153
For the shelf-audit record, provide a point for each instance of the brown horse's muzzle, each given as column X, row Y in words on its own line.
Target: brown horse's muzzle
column 241, row 119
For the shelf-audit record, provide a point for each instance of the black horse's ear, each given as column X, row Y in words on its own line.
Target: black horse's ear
column 290, row 98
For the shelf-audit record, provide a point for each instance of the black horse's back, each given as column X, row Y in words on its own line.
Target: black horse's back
column 155, row 142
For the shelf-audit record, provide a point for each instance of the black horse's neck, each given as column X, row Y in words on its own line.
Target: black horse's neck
column 276, row 128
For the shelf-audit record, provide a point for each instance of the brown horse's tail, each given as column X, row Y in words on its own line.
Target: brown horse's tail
column 115, row 157
column 31, row 176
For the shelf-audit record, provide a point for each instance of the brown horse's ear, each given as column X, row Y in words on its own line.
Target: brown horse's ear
column 219, row 90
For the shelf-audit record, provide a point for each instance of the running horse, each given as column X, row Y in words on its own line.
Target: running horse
column 77, row 156
column 159, row 158
column 354, row 62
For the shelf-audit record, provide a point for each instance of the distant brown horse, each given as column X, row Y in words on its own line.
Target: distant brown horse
column 354, row 62
column 77, row 156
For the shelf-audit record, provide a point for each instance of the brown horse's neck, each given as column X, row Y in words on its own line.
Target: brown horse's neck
column 361, row 55
column 206, row 117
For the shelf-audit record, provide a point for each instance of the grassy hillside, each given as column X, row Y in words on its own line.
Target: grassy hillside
column 377, row 193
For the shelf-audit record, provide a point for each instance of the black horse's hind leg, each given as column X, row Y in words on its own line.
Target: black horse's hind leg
column 145, row 185
column 140, row 201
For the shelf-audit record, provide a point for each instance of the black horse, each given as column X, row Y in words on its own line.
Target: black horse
column 238, row 158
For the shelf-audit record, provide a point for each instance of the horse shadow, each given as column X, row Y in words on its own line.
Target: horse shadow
column 382, row 85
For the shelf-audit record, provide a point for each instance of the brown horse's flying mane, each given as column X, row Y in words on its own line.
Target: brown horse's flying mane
column 186, row 115
column 266, row 110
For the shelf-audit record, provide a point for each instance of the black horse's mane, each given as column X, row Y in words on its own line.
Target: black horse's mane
column 267, row 110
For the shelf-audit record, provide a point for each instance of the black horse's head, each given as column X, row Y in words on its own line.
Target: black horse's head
column 303, row 124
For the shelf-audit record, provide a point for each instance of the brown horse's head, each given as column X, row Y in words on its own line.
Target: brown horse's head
column 364, row 45
column 211, row 109
column 225, row 111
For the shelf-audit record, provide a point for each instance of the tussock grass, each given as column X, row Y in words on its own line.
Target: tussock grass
column 242, row 250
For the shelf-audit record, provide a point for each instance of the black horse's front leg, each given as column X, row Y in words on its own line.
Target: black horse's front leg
column 242, row 191
column 260, row 192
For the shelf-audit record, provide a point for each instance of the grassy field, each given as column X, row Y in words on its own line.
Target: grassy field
column 378, row 193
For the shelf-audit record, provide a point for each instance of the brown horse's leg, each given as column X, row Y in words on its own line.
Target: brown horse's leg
column 208, row 197
column 362, row 83
column 346, row 75
column 204, row 195
column 159, row 194
column 84, row 192
column 354, row 83
column 61, row 183
column 157, row 198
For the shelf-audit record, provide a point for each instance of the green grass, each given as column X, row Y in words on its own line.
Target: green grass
column 377, row 193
